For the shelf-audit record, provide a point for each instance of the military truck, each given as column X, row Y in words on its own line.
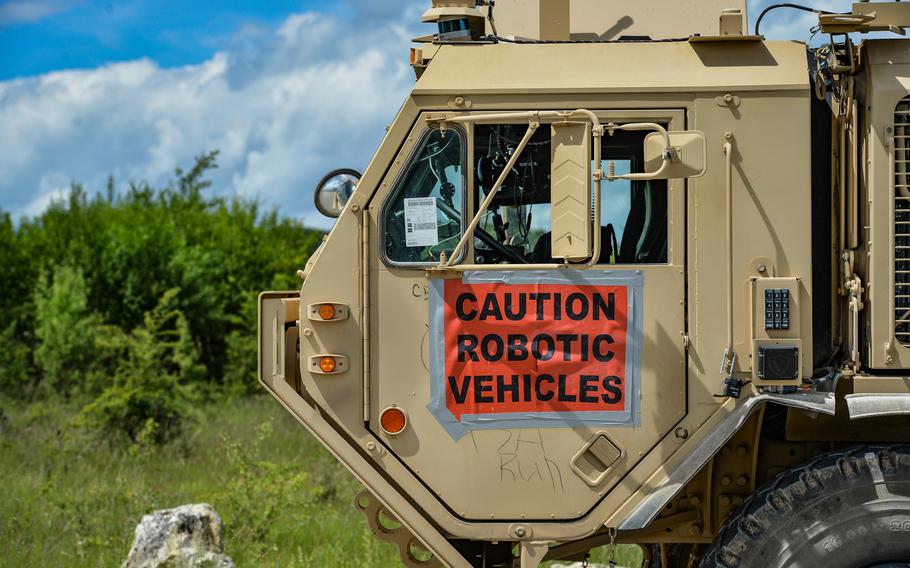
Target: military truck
column 621, row 272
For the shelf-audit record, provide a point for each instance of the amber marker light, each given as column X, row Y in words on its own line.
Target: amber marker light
column 327, row 311
column 327, row 364
column 393, row 420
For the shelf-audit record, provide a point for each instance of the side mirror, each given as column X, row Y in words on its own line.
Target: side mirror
column 688, row 149
column 334, row 191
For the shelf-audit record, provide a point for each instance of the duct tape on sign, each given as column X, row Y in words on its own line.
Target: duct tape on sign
column 544, row 349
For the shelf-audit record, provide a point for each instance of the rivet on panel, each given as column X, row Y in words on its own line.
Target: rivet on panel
column 681, row 433
column 742, row 480
column 308, row 332
column 726, row 480
column 742, row 450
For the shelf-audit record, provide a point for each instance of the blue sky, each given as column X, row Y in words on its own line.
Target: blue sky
column 285, row 89
column 38, row 36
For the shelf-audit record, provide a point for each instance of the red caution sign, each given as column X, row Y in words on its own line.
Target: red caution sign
column 534, row 348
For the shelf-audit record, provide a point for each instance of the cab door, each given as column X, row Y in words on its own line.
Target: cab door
column 553, row 470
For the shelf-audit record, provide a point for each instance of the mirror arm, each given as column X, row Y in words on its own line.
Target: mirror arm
column 667, row 155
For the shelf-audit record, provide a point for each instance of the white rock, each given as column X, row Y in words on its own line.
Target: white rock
column 190, row 536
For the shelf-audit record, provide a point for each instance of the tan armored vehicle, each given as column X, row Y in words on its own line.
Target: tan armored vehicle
column 621, row 272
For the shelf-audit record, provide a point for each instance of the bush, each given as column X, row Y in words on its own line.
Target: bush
column 261, row 491
column 66, row 330
column 152, row 389
column 14, row 363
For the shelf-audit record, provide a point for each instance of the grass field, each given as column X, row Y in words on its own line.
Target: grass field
column 73, row 500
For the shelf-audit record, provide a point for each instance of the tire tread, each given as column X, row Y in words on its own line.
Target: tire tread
column 742, row 534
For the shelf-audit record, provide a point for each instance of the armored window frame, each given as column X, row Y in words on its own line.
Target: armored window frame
column 398, row 187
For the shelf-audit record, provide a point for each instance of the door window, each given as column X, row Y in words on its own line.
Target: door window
column 423, row 216
column 633, row 213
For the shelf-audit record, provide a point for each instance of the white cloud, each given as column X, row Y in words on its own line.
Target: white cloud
column 282, row 106
column 26, row 11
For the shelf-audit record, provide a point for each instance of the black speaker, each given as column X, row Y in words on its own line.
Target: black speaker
column 778, row 362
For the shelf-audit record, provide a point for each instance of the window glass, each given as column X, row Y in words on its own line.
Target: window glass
column 519, row 215
column 516, row 228
column 423, row 214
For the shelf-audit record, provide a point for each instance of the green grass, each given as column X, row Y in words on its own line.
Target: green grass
column 69, row 499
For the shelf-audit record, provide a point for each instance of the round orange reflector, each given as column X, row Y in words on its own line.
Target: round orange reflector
column 327, row 364
column 327, row 311
column 393, row 420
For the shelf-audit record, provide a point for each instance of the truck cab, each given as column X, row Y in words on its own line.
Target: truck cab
column 603, row 286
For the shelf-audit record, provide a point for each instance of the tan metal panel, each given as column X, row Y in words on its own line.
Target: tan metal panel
column 585, row 68
column 770, row 207
column 571, row 190
column 596, row 19
column 888, row 82
column 487, row 475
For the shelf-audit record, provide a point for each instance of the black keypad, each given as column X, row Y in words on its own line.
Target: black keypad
column 777, row 309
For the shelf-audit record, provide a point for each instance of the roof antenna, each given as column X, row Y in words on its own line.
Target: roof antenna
column 490, row 4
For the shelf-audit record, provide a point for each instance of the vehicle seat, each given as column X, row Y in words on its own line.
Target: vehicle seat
column 543, row 250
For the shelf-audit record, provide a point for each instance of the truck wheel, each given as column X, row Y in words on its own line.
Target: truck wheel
column 845, row 509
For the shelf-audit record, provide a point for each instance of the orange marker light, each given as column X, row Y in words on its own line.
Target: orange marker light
column 393, row 420
column 327, row 311
column 327, row 364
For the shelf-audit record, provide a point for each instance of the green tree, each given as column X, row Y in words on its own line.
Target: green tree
column 66, row 330
column 129, row 248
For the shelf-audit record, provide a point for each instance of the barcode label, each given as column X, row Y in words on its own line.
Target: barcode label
column 421, row 227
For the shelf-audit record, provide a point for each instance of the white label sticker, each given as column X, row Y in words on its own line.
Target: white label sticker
column 420, row 225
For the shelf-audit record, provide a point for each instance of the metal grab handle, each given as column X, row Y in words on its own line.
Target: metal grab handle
column 667, row 154
column 729, row 354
